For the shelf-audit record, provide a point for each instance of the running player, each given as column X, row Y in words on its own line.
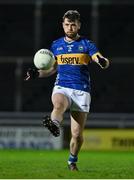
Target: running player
column 72, row 86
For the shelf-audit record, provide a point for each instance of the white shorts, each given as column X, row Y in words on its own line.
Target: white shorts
column 78, row 100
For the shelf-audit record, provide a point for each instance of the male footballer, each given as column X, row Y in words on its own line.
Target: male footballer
column 72, row 87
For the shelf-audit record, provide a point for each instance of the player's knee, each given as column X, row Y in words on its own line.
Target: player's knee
column 59, row 106
column 77, row 136
column 60, row 102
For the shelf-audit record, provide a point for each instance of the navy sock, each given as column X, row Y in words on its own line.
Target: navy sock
column 72, row 159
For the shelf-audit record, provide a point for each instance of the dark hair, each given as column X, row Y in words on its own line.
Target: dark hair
column 72, row 15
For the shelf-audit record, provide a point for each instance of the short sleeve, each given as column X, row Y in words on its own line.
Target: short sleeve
column 92, row 48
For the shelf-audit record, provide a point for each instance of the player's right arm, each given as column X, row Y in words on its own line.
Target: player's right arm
column 47, row 73
column 33, row 73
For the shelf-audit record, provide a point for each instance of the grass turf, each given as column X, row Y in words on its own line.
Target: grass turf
column 39, row 164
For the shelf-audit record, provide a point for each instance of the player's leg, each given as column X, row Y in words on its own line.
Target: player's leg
column 60, row 104
column 77, row 125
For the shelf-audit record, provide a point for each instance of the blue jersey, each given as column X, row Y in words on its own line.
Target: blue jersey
column 73, row 59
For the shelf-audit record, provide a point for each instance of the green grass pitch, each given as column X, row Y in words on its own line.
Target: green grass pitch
column 39, row 164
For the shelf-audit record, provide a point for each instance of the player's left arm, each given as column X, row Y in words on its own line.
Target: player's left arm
column 100, row 60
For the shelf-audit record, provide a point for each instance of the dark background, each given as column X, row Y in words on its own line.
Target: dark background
column 26, row 26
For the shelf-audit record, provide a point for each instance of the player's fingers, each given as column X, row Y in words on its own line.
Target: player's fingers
column 99, row 57
column 27, row 78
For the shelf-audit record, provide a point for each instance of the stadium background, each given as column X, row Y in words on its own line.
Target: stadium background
column 28, row 25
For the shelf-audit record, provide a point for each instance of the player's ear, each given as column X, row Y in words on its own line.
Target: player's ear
column 63, row 24
column 79, row 25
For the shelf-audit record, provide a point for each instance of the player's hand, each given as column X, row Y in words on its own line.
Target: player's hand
column 103, row 62
column 32, row 73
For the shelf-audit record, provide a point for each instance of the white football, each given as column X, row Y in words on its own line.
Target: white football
column 44, row 59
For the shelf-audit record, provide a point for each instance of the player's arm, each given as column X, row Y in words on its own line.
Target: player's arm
column 49, row 72
column 33, row 73
column 100, row 60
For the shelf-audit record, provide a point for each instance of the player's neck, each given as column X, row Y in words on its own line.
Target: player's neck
column 72, row 39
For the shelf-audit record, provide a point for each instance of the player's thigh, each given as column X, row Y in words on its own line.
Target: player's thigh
column 60, row 100
column 78, row 120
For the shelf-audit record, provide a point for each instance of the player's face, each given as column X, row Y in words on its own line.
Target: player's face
column 71, row 28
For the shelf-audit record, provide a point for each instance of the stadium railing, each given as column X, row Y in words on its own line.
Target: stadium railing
column 95, row 120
